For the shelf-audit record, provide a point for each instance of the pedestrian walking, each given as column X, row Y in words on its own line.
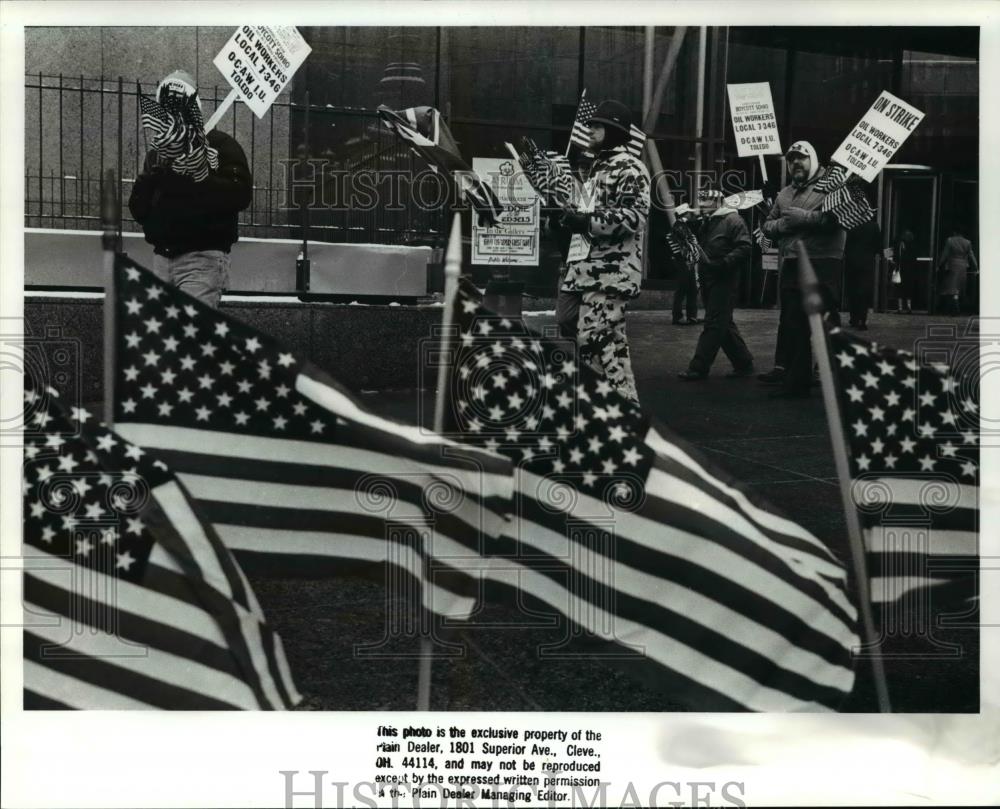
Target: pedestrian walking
column 956, row 257
column 724, row 246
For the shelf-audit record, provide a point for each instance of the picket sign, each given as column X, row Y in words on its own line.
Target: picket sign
column 879, row 134
column 755, row 126
column 258, row 61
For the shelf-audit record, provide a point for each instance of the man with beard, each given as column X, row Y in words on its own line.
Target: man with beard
column 797, row 216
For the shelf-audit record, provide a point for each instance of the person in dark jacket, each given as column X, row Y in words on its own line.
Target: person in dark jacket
column 797, row 215
column 724, row 246
column 192, row 224
column 863, row 244
column 686, row 294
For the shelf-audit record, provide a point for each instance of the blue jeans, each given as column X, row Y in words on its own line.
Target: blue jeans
column 202, row 274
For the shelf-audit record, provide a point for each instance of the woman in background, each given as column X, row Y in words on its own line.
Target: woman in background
column 906, row 263
column 953, row 265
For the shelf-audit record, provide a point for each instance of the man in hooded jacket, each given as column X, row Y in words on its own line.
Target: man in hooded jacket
column 797, row 215
column 610, row 218
column 723, row 247
column 192, row 224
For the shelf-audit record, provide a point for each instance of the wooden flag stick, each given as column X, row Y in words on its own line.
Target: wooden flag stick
column 110, row 245
column 763, row 167
column 221, row 110
column 569, row 143
column 812, row 301
column 452, row 270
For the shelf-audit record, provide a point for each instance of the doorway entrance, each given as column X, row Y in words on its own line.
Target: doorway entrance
column 912, row 204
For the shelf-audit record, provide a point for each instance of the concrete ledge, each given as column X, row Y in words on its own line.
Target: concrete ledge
column 364, row 347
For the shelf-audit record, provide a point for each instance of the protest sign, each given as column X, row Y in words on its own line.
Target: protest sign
column 754, row 123
column 877, row 136
column 514, row 239
column 258, row 61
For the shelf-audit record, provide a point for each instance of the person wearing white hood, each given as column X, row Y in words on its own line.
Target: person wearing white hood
column 797, row 216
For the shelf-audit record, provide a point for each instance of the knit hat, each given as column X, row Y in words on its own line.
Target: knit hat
column 180, row 82
column 805, row 148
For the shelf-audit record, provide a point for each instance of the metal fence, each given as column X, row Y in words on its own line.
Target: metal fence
column 308, row 163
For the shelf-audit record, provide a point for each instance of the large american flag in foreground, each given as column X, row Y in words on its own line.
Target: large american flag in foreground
column 913, row 432
column 664, row 562
column 130, row 600
column 294, row 475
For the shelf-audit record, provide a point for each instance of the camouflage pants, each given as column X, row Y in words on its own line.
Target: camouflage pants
column 602, row 340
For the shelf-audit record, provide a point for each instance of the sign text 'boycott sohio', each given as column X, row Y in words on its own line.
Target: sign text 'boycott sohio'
column 258, row 61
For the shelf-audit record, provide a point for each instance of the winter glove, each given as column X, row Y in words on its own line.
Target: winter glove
column 798, row 218
column 576, row 222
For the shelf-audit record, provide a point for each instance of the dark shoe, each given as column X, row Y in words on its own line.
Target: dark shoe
column 691, row 376
column 693, row 321
column 862, row 327
column 773, row 377
column 678, row 322
column 740, row 373
column 789, row 393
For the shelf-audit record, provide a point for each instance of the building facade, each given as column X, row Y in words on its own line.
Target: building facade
column 320, row 157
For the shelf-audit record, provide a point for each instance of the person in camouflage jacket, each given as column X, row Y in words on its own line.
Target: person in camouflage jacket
column 609, row 215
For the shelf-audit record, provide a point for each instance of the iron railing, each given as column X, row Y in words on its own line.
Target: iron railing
column 299, row 155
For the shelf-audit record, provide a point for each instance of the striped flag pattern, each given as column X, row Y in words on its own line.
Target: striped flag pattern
column 913, row 434
column 668, row 567
column 682, row 243
column 177, row 132
column 636, row 141
column 291, row 472
column 580, row 133
column 428, row 134
column 845, row 198
column 762, row 240
column 150, row 610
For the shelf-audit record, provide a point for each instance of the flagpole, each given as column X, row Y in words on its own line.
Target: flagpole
column 221, row 110
column 110, row 245
column 452, row 270
column 813, row 304
column 569, row 143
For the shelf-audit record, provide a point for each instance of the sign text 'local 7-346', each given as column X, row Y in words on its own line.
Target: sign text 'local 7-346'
column 259, row 60
column 754, row 123
column 878, row 136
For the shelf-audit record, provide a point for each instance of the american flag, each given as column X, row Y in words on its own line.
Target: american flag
column 641, row 545
column 762, row 240
column 150, row 609
column 429, row 136
column 845, row 198
column 178, row 135
column 682, row 243
column 580, row 133
column 913, row 432
column 637, row 139
column 292, row 472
